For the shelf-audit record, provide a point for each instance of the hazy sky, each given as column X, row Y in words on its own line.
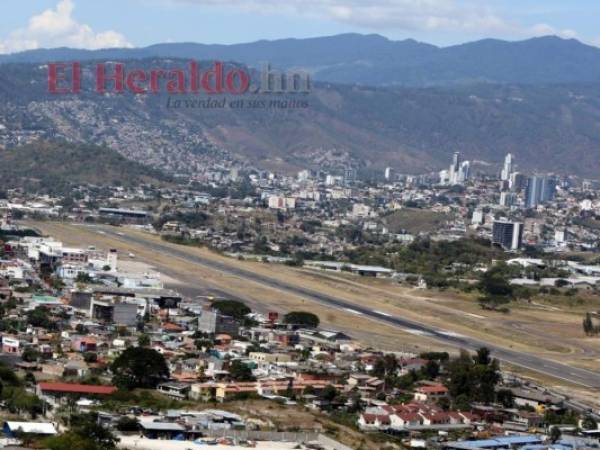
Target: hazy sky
column 28, row 24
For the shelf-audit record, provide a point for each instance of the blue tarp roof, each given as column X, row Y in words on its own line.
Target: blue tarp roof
column 498, row 442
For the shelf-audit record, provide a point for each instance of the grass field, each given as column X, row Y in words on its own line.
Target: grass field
column 415, row 220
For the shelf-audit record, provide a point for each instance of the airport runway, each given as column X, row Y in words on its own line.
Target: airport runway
column 578, row 376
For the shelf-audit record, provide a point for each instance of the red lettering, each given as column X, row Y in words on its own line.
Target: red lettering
column 217, row 74
column 244, row 81
column 57, row 73
column 76, row 74
column 155, row 74
column 132, row 78
column 176, row 85
column 102, row 78
column 194, row 77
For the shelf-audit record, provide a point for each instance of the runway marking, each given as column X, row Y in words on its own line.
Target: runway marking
column 451, row 334
column 477, row 316
column 417, row 332
column 381, row 313
column 353, row 311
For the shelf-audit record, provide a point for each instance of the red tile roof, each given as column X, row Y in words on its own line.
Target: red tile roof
column 410, row 417
column 371, row 418
column 438, row 389
column 172, row 327
column 77, row 388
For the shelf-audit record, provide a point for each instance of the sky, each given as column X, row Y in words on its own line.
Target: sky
column 92, row 24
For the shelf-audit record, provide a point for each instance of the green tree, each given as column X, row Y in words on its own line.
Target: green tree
column 39, row 318
column 494, row 281
column 555, row 434
column 85, row 434
column 473, row 378
column 506, row 398
column 29, row 379
column 127, row 423
column 588, row 423
column 431, row 369
column 588, row 325
column 302, row 318
column 86, row 425
column 8, row 376
column 231, row 308
column 494, row 286
column 139, row 367
column 143, row 340
column 329, row 393
column 483, row 356
column 90, row 357
column 70, row 440
column 239, row 371
column 379, row 368
column 19, row 401
column 30, row 355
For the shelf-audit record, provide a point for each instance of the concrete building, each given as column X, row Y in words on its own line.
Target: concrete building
column 477, row 218
column 507, row 235
column 507, row 199
column 212, row 321
column 507, row 169
column 113, row 310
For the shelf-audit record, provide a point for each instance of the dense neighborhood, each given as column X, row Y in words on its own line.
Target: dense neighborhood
column 91, row 336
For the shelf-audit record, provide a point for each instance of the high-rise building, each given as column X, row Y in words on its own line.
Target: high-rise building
column 349, row 175
column 455, row 163
column 506, row 234
column 389, row 173
column 458, row 172
column 507, row 198
column 540, row 190
column 477, row 218
column 507, row 169
column 517, row 181
column 304, row 175
column 463, row 172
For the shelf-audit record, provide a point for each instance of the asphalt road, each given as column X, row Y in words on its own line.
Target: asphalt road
column 578, row 376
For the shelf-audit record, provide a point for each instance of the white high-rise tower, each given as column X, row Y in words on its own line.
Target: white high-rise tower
column 508, row 167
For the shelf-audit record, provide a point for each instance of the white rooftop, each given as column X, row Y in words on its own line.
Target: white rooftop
column 32, row 427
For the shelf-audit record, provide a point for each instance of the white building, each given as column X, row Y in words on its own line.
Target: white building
column 458, row 172
column 507, row 199
column 507, row 168
column 478, row 217
column 280, row 202
column 360, row 210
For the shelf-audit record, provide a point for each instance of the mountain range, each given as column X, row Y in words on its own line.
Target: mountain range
column 374, row 60
column 539, row 99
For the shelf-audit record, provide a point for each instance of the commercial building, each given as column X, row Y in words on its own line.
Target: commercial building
column 507, row 169
column 212, row 321
column 507, row 235
column 124, row 215
column 540, row 190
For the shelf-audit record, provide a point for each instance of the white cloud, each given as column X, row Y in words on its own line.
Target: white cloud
column 543, row 29
column 57, row 28
column 465, row 16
